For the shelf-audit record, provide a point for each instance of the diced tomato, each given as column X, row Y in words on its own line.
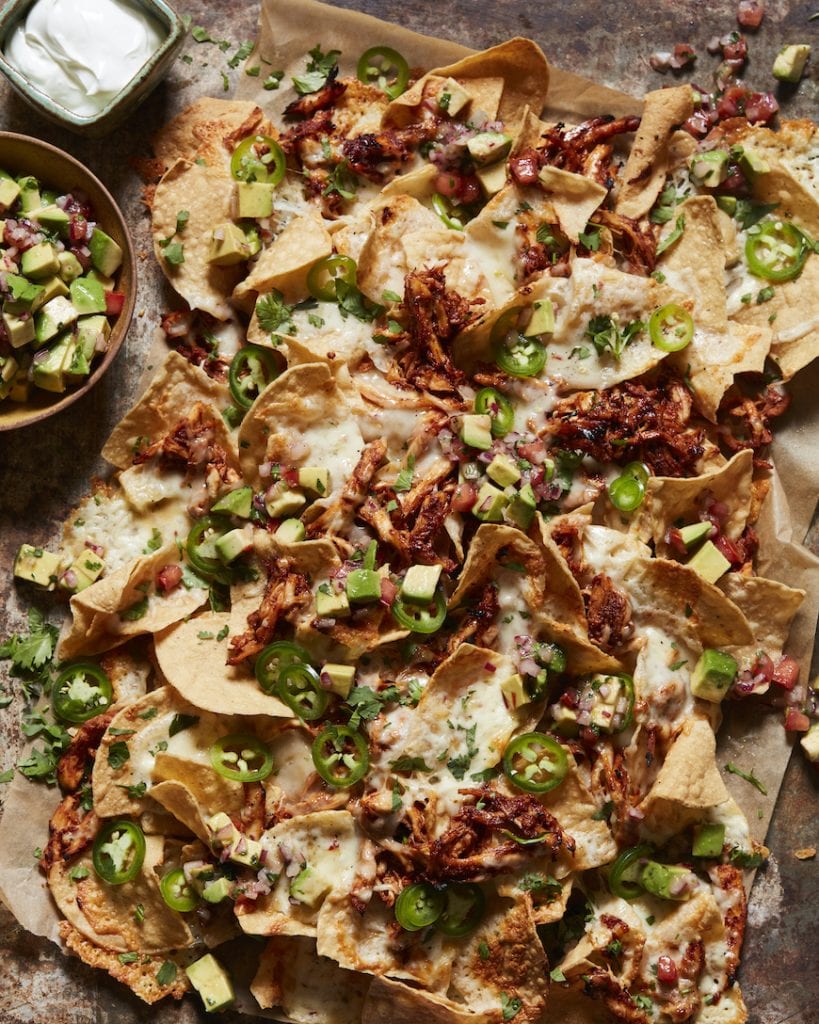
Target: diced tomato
column 760, row 107
column 114, row 301
column 729, row 550
column 786, row 673
column 168, row 578
column 470, row 190
column 291, row 477
column 667, row 972
column 736, row 51
column 76, row 229
column 673, row 539
column 795, row 721
column 732, row 102
column 389, row 592
column 447, row 184
column 763, row 668
column 525, row 167
column 533, row 451
column 750, row 13
column 464, row 497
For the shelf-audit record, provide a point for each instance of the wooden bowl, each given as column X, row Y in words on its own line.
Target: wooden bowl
column 55, row 169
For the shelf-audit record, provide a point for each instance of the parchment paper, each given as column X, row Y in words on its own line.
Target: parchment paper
column 750, row 737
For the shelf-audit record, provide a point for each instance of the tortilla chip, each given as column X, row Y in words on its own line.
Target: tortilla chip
column 489, row 541
column 178, row 801
column 519, row 62
column 563, row 599
column 201, row 129
column 207, row 194
column 306, row 986
column 695, row 264
column 770, row 607
column 574, row 197
column 284, row 264
column 391, row 1002
column 125, row 604
column 104, row 914
column 647, row 166
column 574, row 807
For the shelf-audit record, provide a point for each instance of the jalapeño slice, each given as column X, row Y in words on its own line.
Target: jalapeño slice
column 421, row 618
column 671, row 328
column 625, row 871
column 322, row 276
column 177, row 892
column 251, row 370
column 419, row 906
column 258, row 158
column 626, row 493
column 776, row 251
column 299, row 687
column 200, row 551
column 384, row 67
column 118, row 852
column 340, row 755
column 535, row 762
column 465, row 903
column 241, row 758
column 274, row 658
column 451, row 215
column 81, row 691
column 514, row 353
column 491, row 402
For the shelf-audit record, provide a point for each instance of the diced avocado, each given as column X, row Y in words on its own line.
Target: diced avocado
column 332, row 605
column 607, row 692
column 492, row 178
column 751, row 164
column 565, row 719
column 87, row 296
column 84, row 570
column 709, row 562
column 108, row 283
column 53, row 318
column 514, row 692
column 48, row 369
column 200, row 875
column 234, row 543
column 228, row 245
column 217, row 890
column 290, row 531
column 340, row 678
column 37, row 566
column 309, row 886
column 53, row 287
column 694, row 533
column 543, row 319
column 40, row 261
column 728, row 204
column 9, row 193
column 452, row 97
column 238, row 502
column 476, row 430
column 282, row 501
column 489, row 147
column 710, row 168
column 713, row 675
column 420, row 582
column 106, row 255
column 51, row 218
column 70, row 266
column 521, row 509
column 253, row 239
column 503, row 470
column 92, row 336
column 25, row 297
column 212, row 982
column 20, row 386
column 29, row 194
column 254, row 199
column 790, row 62
column 810, row 743
column 490, row 505
column 225, row 836
column 668, row 881
column 19, row 330
column 363, row 586
column 708, row 840
column 315, row 480
column 8, row 371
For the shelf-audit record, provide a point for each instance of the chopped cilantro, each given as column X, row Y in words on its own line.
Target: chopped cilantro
column 78, row 872
column 510, row 1006
column 605, row 334
column 135, row 792
column 351, row 302
column 557, row 975
column 319, row 68
column 273, row 80
column 389, row 296
column 118, row 754
column 483, row 951
column 154, row 543
column 590, row 238
column 342, row 181
column 166, row 974
column 397, row 790
column 748, row 776
column 127, row 958
column 223, row 632
column 663, row 209
column 677, row 665
column 605, row 812
column 403, row 482
column 180, row 722
column 173, row 253
column 6, row 776
column 674, row 236
column 135, row 611
column 242, row 53
column 139, row 913
column 273, row 313
column 410, row 764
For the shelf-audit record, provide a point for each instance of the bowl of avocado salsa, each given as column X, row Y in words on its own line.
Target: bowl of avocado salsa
column 67, row 282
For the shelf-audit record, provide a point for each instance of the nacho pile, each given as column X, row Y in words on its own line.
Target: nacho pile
column 428, row 557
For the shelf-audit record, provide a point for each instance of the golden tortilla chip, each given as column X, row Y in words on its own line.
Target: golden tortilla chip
column 201, row 129
column 574, row 806
column 391, row 1002
column 207, row 194
column 178, row 801
column 695, row 264
column 489, row 541
column 574, row 196
column 770, row 608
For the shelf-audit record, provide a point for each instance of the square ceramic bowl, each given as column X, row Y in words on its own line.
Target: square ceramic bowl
column 129, row 97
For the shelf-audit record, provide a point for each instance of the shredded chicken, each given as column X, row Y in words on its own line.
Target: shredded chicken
column 76, row 762
column 70, row 831
column 285, row 591
column 608, row 612
column 323, row 99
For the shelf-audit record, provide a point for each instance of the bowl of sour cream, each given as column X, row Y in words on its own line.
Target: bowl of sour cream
column 86, row 64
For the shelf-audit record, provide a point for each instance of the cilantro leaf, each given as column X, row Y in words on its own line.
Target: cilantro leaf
column 320, row 68
column 605, row 334
column 180, row 722
column 410, row 764
column 242, row 53
column 166, row 974
column 342, row 181
column 118, row 754
column 273, row 313
column 748, row 776
column 403, row 482
column 510, row 1006
column 674, row 236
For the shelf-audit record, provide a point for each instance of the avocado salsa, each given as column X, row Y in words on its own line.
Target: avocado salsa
column 57, row 286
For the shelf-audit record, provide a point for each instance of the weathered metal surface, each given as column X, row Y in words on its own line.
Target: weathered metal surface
column 43, row 470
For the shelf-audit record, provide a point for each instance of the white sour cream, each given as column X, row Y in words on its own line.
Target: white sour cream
column 81, row 53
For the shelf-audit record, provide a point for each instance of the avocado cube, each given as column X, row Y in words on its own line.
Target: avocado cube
column 713, row 675
column 201, row 875
column 491, row 504
column 503, row 470
column 309, row 886
column 217, row 890
column 87, row 296
column 363, row 586
column 9, row 193
column 420, row 583
column 238, row 502
column 26, row 296
column 225, row 836
column 106, row 255
column 543, row 319
column 489, row 147
column 565, row 719
column 709, row 562
column 37, row 566
column 51, row 218
column 92, row 336
column 514, row 692
column 331, row 605
column 234, row 543
column 790, row 62
column 452, row 97
column 338, row 678
column 668, row 881
column 29, row 194
column 476, row 431
column 53, row 318
column 19, row 330
column 282, row 501
column 492, row 178
column 70, row 266
column 84, row 570
column 710, row 169
column 49, row 366
column 315, row 480
column 708, row 840
column 254, row 199
column 8, row 371
column 228, row 245
column 751, row 165
column 694, row 533
column 521, row 509
column 212, row 982
column 728, row 204
column 810, row 743
column 20, row 386
column 607, row 692
column 290, row 531
column 40, row 261
column 53, row 287
column 108, row 283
